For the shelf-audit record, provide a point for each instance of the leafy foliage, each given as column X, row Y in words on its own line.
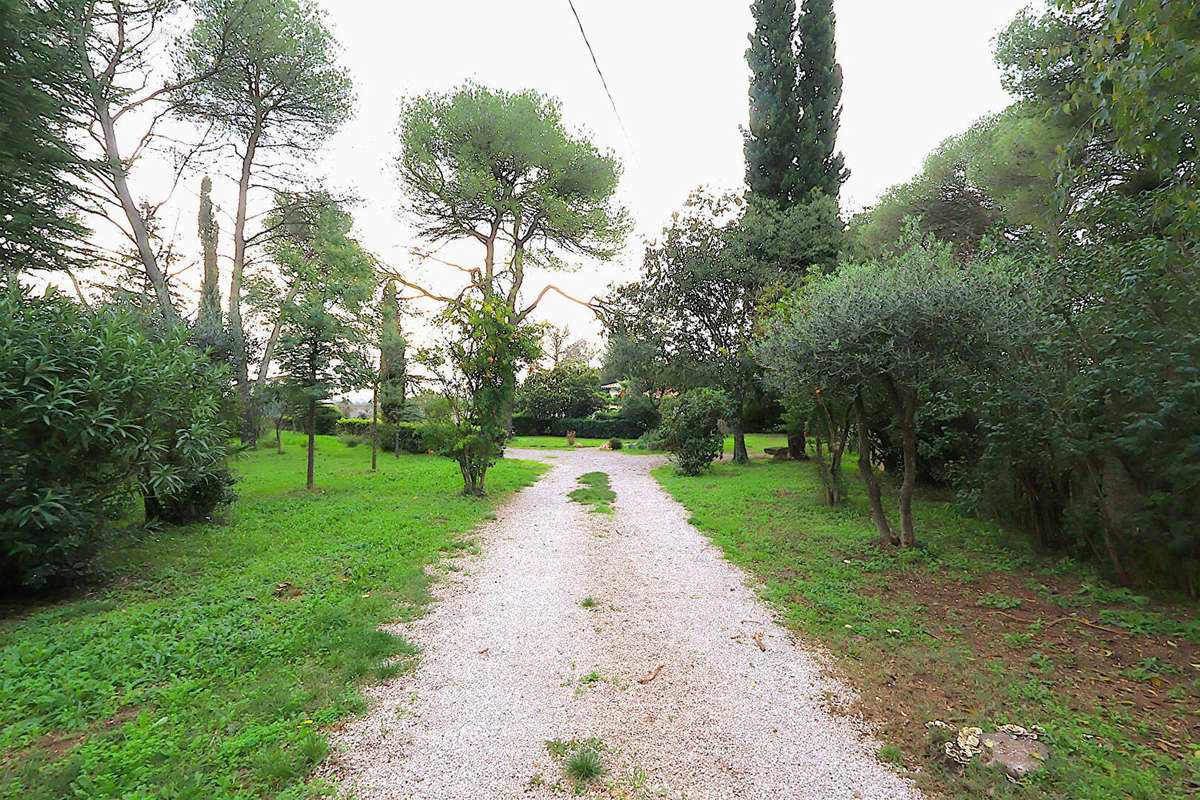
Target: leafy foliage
column 475, row 367
column 94, row 411
column 570, row 389
column 691, row 428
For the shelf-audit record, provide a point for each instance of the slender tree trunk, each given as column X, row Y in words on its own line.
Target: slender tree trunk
column 278, row 436
column 236, row 328
column 120, row 182
column 905, row 402
column 374, row 425
column 264, row 364
column 312, row 439
column 870, row 479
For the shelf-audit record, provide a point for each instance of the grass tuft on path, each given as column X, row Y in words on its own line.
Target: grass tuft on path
column 595, row 492
column 210, row 664
column 971, row 627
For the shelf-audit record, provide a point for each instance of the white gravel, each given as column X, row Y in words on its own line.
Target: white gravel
column 505, row 647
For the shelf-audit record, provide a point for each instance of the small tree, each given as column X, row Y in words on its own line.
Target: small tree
column 691, row 428
column 471, row 366
column 325, row 331
column 393, row 366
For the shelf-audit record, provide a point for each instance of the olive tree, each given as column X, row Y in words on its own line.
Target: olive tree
column 900, row 332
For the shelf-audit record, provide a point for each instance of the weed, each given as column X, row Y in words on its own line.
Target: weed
column 589, row 602
column 998, row 600
column 890, row 754
column 585, row 765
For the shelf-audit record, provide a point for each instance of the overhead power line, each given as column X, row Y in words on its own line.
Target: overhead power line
column 599, row 72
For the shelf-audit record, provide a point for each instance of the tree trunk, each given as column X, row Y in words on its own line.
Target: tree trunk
column 236, row 328
column 909, row 431
column 120, row 184
column 870, row 479
column 374, row 425
column 312, row 438
column 264, row 364
column 797, row 447
column 278, row 437
column 740, row 455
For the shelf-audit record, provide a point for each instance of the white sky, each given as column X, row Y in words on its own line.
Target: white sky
column 916, row 72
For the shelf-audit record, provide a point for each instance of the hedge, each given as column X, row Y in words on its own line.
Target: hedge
column 619, row 427
column 599, row 428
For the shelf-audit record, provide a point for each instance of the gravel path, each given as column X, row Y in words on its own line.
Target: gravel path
column 511, row 660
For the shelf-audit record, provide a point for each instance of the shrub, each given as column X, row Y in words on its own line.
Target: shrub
column 615, row 443
column 690, row 428
column 570, row 389
column 92, row 411
column 327, row 418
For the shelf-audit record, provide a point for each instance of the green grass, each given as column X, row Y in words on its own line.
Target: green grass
column 551, row 442
column 969, row 627
column 755, row 442
column 560, row 443
column 595, row 492
column 211, row 663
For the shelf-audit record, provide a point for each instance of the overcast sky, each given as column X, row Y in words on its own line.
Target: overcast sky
column 915, row 73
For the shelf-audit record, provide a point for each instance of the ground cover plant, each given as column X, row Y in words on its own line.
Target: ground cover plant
column 972, row 628
column 210, row 665
column 595, row 492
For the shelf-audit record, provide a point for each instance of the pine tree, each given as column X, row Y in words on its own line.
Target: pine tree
column 819, row 95
column 772, row 140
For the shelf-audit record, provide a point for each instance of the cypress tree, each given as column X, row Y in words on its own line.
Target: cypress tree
column 819, row 95
column 772, row 140
column 208, row 320
column 393, row 372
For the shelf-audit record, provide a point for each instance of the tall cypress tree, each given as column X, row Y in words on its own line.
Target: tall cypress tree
column 393, row 368
column 208, row 321
column 819, row 94
column 772, row 140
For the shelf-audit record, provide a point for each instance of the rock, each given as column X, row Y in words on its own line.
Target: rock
column 777, row 453
column 1017, row 756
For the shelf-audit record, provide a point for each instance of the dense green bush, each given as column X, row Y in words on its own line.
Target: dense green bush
column 615, row 444
column 530, row 426
column 92, row 413
column 691, row 428
column 569, row 389
column 639, row 407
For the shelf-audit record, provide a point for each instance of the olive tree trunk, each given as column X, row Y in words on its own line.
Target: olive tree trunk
column 870, row 479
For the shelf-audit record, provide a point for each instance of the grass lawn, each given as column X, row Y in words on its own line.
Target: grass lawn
column 971, row 627
column 560, row 443
column 755, row 442
column 207, row 667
